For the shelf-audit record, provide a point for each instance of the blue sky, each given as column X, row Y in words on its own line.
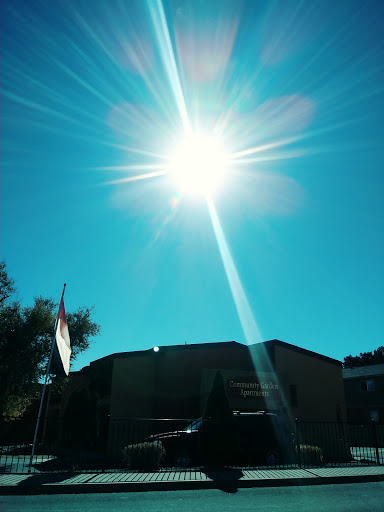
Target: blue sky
column 291, row 246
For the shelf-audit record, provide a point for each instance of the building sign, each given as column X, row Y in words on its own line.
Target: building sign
column 252, row 387
column 246, row 390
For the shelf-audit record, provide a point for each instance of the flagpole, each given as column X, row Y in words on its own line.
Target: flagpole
column 46, row 413
column 46, row 380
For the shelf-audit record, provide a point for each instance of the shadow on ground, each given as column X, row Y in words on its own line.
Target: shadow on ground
column 37, row 479
column 225, row 478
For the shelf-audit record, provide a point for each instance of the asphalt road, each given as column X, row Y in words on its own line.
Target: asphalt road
column 318, row 498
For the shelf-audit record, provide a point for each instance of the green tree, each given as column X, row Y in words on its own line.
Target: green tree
column 25, row 341
column 7, row 285
column 365, row 358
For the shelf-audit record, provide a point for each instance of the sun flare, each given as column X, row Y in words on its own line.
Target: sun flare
column 199, row 164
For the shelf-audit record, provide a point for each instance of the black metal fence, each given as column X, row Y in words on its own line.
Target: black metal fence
column 339, row 443
column 128, row 446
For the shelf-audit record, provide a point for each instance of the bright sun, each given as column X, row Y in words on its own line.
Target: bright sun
column 198, row 164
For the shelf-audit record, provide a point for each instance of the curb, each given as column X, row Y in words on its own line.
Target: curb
column 229, row 485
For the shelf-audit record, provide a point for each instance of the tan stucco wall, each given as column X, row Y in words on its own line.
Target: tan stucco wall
column 319, row 383
column 132, row 388
column 174, row 384
column 165, row 384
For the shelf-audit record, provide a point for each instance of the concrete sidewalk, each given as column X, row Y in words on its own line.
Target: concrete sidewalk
column 60, row 483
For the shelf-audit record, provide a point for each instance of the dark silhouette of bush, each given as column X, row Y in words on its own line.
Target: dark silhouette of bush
column 311, row 455
column 143, row 456
column 218, row 427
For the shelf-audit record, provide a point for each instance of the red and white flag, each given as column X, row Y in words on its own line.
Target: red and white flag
column 63, row 343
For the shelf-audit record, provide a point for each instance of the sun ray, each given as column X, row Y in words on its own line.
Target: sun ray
column 104, row 40
column 136, row 178
column 277, row 156
column 129, row 149
column 168, row 56
column 265, row 147
column 290, row 140
column 260, row 358
column 247, row 320
column 124, row 168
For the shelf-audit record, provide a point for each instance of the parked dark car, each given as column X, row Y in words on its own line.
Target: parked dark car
column 260, row 438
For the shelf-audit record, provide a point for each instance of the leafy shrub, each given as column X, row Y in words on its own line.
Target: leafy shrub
column 311, row 455
column 143, row 456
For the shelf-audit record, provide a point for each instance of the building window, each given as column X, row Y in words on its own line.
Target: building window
column 293, row 395
column 367, row 385
column 374, row 416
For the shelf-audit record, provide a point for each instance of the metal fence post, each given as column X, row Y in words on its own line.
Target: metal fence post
column 298, row 442
column 376, row 442
column 104, row 463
